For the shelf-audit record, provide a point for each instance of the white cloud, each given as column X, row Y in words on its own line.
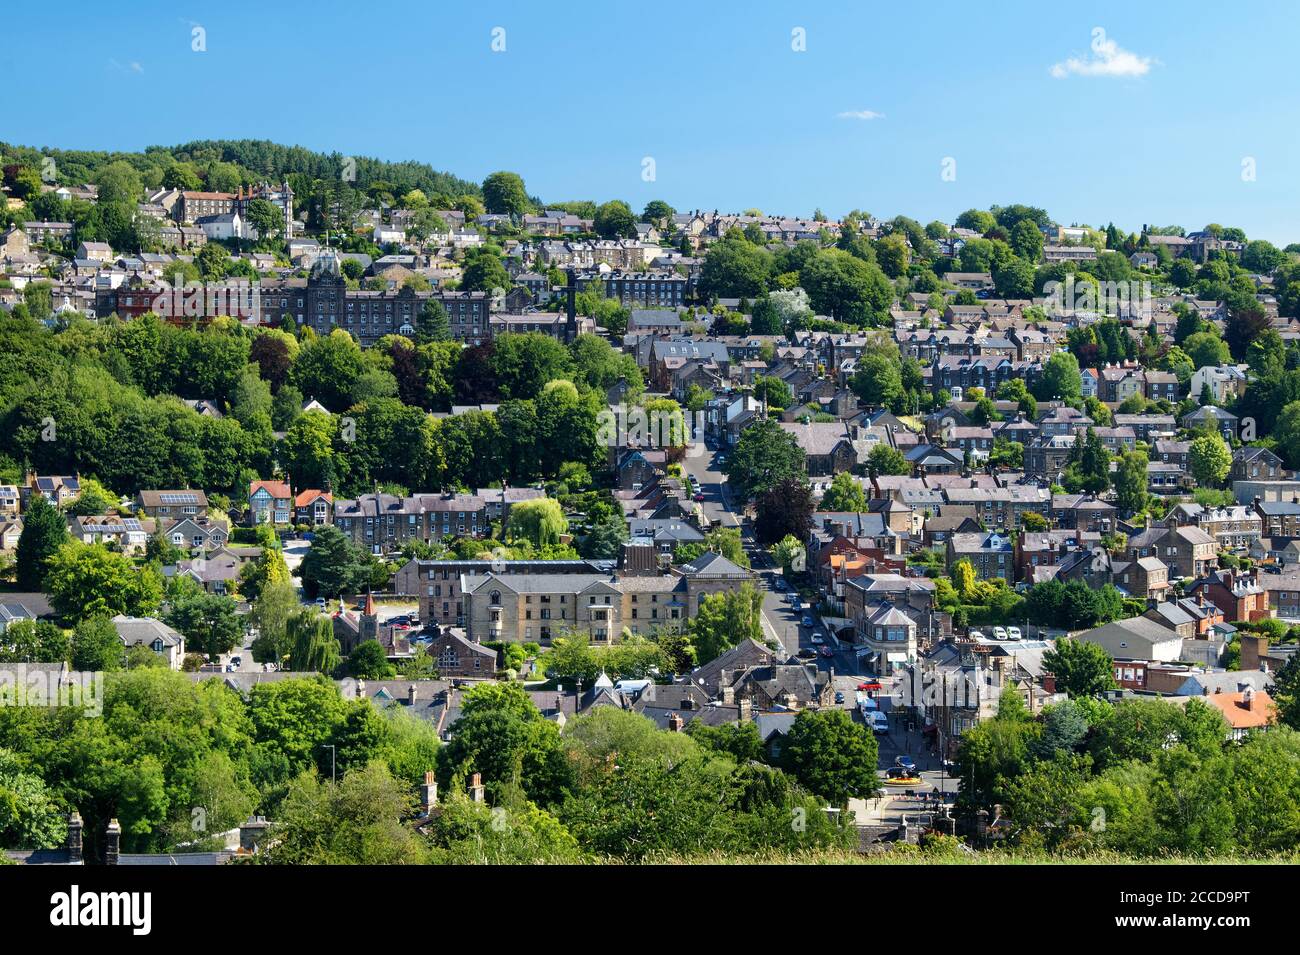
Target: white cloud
column 860, row 114
column 132, row 67
column 1108, row 59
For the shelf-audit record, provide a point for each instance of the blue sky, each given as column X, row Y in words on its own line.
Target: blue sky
column 1149, row 121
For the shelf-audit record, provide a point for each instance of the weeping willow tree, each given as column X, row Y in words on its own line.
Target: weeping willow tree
column 314, row 646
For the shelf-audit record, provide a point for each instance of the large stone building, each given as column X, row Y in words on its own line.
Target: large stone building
column 380, row 523
column 636, row 597
column 437, row 583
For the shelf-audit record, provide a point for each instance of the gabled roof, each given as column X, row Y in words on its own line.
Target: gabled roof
column 713, row 564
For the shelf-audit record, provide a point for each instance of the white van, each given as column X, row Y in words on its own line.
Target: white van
column 879, row 723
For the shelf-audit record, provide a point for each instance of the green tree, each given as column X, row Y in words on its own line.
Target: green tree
column 312, row 644
column 1131, row 482
column 524, row 364
column 332, row 566
column 95, row 646
column 44, row 533
column 432, row 324
column 89, row 580
column 882, row 459
column 503, row 736
column 615, row 220
column 765, row 455
column 504, row 194
column 726, row 619
column 359, row 821
column 1209, row 460
column 30, row 814
column 210, row 623
column 369, row 662
column 1206, row 348
column 541, row 522
column 1081, row 669
column 270, row 615
column 878, row 380
column 831, row 755
column 1061, row 379
column 845, row 494
column 33, row 641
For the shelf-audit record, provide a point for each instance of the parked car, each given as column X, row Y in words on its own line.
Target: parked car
column 976, row 635
column 817, row 639
column 839, row 697
column 905, row 762
column 1013, row 633
column 807, row 621
column 999, row 633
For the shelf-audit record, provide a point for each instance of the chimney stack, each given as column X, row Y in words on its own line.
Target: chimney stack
column 429, row 792
column 75, row 826
column 251, row 833
column 112, row 842
column 412, row 694
column 675, row 723
column 476, row 793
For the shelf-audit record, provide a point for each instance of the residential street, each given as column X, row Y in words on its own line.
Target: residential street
column 780, row 620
